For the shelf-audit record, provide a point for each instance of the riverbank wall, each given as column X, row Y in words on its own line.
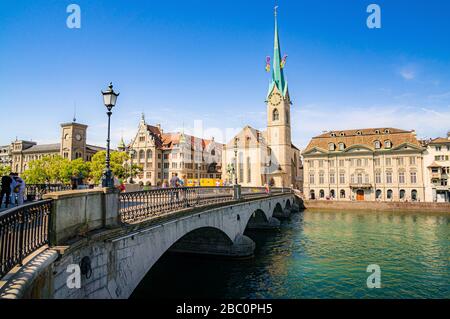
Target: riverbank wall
column 378, row 206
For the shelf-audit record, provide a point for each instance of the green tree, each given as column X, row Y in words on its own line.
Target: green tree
column 5, row 170
column 55, row 169
column 118, row 165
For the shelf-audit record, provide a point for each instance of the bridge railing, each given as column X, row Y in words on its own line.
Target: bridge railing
column 36, row 191
column 23, row 229
column 136, row 206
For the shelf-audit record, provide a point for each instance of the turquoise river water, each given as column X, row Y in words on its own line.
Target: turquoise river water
column 320, row 254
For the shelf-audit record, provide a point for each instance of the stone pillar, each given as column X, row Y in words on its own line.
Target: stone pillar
column 78, row 212
column 237, row 192
column 272, row 223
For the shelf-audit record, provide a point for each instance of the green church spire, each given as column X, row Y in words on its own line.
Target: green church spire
column 278, row 79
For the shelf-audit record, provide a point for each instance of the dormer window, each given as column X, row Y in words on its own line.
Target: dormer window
column 331, row 147
column 377, row 145
column 342, row 134
column 387, row 144
column 341, row 146
column 386, row 131
column 377, row 131
column 359, row 133
column 333, row 134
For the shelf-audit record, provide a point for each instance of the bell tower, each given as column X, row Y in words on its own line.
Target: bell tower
column 279, row 118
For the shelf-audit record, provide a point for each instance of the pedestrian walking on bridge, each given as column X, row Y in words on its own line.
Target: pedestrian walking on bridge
column 6, row 189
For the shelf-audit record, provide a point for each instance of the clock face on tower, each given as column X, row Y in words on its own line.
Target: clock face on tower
column 78, row 137
column 275, row 99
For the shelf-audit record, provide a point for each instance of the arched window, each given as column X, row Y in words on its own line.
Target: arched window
column 275, row 115
column 213, row 152
column 332, row 194
column 322, row 193
column 402, row 194
column 387, row 144
column 141, row 155
column 378, row 194
column 342, row 193
column 341, row 146
column 312, row 194
column 149, row 155
column 389, row 194
column 377, row 145
column 414, row 195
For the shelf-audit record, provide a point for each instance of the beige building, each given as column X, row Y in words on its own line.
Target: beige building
column 163, row 154
column 383, row 164
column 5, row 155
column 72, row 146
column 437, row 169
column 260, row 157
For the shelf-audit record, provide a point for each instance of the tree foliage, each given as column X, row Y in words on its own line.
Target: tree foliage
column 55, row 169
column 5, row 170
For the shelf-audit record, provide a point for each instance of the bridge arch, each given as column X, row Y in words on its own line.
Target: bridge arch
column 121, row 257
column 288, row 204
column 278, row 209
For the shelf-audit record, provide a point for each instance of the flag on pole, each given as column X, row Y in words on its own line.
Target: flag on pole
column 268, row 64
column 283, row 62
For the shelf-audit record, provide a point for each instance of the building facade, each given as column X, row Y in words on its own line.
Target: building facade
column 260, row 157
column 384, row 164
column 437, row 169
column 5, row 155
column 72, row 145
column 161, row 155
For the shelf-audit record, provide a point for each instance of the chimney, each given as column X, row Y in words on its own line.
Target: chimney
column 448, row 135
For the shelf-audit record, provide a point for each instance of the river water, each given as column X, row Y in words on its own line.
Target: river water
column 320, row 254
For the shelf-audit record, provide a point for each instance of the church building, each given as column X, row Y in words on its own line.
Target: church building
column 256, row 157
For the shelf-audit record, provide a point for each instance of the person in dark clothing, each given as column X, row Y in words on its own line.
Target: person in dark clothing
column 6, row 189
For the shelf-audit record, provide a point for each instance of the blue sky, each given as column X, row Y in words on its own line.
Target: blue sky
column 182, row 61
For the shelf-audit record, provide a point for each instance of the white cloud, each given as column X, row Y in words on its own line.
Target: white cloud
column 408, row 74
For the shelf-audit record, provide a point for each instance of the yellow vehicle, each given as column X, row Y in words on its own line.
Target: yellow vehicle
column 204, row 182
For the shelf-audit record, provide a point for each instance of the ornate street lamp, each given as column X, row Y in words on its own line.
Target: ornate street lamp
column 109, row 99
column 235, row 160
column 236, row 187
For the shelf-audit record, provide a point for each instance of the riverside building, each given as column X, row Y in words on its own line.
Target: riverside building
column 384, row 164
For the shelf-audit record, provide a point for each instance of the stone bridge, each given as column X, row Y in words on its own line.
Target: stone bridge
column 88, row 229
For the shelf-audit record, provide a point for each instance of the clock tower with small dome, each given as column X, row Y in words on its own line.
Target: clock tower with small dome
column 278, row 120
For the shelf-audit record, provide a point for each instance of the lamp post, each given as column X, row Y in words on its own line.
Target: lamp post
column 132, row 153
column 236, row 187
column 235, row 160
column 109, row 99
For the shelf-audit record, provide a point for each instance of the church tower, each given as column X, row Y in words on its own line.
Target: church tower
column 279, row 119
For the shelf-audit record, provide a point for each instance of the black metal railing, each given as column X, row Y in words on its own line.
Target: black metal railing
column 23, row 229
column 140, row 205
column 136, row 206
column 36, row 191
